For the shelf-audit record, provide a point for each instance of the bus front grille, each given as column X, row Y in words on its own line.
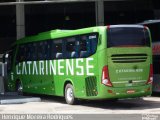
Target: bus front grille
column 128, row 58
column 91, row 86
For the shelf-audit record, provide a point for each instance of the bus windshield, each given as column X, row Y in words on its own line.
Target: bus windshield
column 128, row 36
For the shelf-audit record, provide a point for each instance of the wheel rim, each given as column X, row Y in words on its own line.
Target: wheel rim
column 69, row 94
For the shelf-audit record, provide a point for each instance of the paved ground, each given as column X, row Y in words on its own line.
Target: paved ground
column 57, row 105
column 14, row 98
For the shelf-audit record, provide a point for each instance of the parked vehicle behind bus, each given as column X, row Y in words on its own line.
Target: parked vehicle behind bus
column 106, row 62
column 154, row 26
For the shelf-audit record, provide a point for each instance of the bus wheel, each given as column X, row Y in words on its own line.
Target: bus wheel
column 69, row 94
column 19, row 88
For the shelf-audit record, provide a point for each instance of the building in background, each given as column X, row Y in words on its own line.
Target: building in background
column 28, row 17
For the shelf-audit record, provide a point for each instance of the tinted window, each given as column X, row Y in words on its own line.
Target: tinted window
column 71, row 47
column 52, row 50
column 27, row 52
column 57, row 44
column 125, row 36
column 47, row 49
column 20, row 56
column 34, row 51
column 88, row 45
column 70, row 44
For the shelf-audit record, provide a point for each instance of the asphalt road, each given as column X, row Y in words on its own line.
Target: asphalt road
column 128, row 109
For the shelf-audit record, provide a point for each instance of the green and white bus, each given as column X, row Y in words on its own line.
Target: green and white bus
column 105, row 62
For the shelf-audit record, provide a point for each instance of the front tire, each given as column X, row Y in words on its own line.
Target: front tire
column 69, row 94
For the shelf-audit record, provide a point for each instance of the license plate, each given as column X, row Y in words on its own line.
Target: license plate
column 130, row 91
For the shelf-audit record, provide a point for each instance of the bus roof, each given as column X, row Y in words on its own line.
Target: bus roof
column 127, row 25
column 149, row 22
column 58, row 33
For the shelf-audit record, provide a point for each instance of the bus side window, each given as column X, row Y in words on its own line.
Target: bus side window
column 88, row 45
column 29, row 52
column 25, row 54
column 40, row 51
column 71, row 51
column 83, row 46
column 20, row 54
column 58, row 49
column 93, row 41
column 34, row 51
column 47, row 50
column 52, row 50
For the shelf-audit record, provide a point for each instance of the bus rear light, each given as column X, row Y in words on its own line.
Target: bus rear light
column 150, row 79
column 145, row 27
column 108, row 26
column 105, row 77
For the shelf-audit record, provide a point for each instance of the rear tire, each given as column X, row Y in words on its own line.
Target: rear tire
column 19, row 88
column 69, row 94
